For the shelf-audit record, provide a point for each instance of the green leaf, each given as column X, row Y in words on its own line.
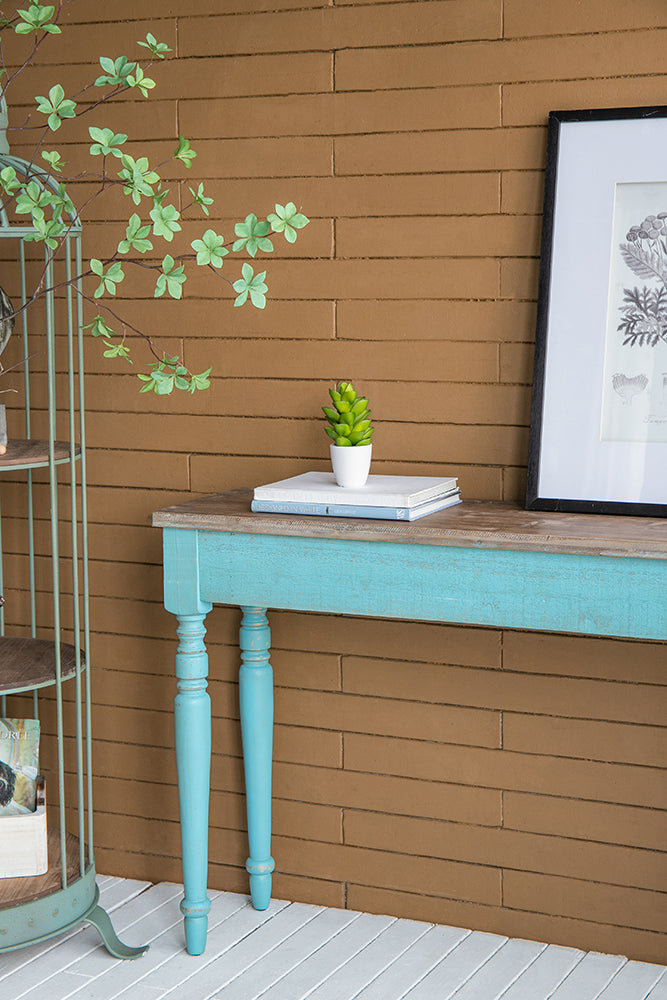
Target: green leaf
column 210, row 249
column 251, row 285
column 141, row 82
column 171, row 280
column 287, row 220
column 164, row 221
column 48, row 232
column 116, row 72
column 200, row 199
column 200, row 381
column 117, row 351
column 32, row 200
column 138, row 177
column 109, row 279
column 99, row 327
column 8, row 180
column 35, row 18
column 252, row 236
column 157, row 49
column 106, row 141
column 56, row 106
column 183, row 152
column 135, row 236
column 54, row 160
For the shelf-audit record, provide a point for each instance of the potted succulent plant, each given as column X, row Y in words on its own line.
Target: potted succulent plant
column 350, row 430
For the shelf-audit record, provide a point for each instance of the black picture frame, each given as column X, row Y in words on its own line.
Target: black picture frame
column 589, row 450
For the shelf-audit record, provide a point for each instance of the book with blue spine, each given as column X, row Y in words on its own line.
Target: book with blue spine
column 352, row 510
column 398, row 498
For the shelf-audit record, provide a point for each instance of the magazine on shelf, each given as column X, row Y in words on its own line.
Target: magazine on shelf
column 379, row 491
column 358, row 510
column 19, row 766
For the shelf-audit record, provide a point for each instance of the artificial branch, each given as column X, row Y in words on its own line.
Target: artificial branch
column 53, row 215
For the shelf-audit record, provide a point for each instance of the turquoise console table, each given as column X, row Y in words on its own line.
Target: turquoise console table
column 477, row 563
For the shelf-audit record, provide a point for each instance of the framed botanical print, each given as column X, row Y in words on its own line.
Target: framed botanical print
column 598, row 440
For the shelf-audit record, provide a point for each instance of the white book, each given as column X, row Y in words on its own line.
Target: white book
column 379, row 491
column 356, row 510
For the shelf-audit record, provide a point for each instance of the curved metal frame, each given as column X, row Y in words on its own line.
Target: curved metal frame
column 77, row 898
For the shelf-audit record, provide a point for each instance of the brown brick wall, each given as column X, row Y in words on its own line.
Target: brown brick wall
column 503, row 781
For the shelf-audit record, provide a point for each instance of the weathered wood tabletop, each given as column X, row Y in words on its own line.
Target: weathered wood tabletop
column 479, row 523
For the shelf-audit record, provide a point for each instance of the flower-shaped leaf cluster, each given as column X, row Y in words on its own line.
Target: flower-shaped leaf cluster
column 252, row 285
column 56, row 106
column 252, row 236
column 287, row 220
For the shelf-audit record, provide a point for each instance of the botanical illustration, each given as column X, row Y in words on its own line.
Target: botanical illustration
column 634, row 407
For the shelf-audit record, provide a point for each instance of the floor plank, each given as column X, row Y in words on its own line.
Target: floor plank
column 295, row 951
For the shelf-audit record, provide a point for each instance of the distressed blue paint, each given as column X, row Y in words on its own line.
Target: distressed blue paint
column 620, row 596
column 546, row 591
column 256, row 707
column 181, row 573
column 192, row 728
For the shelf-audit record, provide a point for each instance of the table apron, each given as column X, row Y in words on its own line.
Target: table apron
column 545, row 591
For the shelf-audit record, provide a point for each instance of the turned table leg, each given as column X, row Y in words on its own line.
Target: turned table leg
column 192, row 721
column 256, row 703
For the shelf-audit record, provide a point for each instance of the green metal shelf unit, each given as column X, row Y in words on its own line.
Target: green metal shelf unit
column 35, row 658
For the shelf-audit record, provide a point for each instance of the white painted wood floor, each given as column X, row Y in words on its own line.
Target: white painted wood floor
column 293, row 951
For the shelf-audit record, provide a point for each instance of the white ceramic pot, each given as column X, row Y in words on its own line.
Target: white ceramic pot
column 351, row 465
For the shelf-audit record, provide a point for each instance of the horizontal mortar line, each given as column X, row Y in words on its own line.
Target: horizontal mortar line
column 480, row 85
column 437, row 783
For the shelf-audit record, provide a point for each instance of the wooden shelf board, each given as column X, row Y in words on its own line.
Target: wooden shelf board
column 34, row 452
column 26, row 662
column 15, row 891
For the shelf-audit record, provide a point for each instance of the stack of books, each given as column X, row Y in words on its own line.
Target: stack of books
column 394, row 498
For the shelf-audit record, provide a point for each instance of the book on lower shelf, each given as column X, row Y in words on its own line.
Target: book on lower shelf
column 398, row 498
column 23, row 839
column 19, row 766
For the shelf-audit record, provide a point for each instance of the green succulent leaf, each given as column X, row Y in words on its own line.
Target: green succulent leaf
column 252, row 236
column 157, row 49
column 135, row 236
column 252, row 285
column 106, row 141
column 286, row 219
column 56, row 106
column 210, row 249
column 350, row 420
